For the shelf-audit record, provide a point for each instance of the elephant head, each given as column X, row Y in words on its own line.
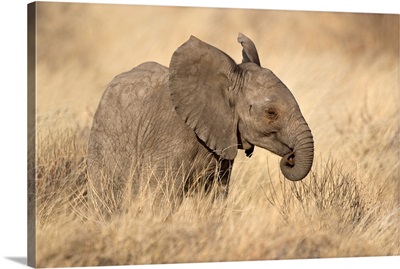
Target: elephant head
column 238, row 106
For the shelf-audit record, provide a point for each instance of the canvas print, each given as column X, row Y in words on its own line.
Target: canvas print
column 180, row 134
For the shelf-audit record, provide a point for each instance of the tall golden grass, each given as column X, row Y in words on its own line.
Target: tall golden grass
column 343, row 70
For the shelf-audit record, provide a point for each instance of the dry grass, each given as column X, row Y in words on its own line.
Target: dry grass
column 343, row 70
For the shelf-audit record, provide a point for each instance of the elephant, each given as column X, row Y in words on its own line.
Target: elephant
column 169, row 129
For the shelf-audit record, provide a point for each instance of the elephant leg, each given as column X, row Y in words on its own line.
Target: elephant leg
column 167, row 197
column 218, row 186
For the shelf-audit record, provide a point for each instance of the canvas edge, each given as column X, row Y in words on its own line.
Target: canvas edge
column 31, row 134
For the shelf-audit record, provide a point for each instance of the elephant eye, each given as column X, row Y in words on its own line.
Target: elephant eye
column 271, row 113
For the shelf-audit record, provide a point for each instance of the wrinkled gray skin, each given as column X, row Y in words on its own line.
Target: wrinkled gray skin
column 172, row 128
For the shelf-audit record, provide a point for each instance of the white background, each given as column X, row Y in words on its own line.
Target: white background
column 13, row 98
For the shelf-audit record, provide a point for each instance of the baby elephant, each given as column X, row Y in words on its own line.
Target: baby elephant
column 171, row 130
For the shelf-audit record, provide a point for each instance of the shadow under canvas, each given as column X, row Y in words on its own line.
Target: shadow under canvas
column 21, row 260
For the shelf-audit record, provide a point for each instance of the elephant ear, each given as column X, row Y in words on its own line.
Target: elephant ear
column 249, row 51
column 199, row 85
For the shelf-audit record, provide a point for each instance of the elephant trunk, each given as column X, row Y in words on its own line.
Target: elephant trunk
column 297, row 164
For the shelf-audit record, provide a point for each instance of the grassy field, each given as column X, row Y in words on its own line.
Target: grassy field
column 344, row 72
